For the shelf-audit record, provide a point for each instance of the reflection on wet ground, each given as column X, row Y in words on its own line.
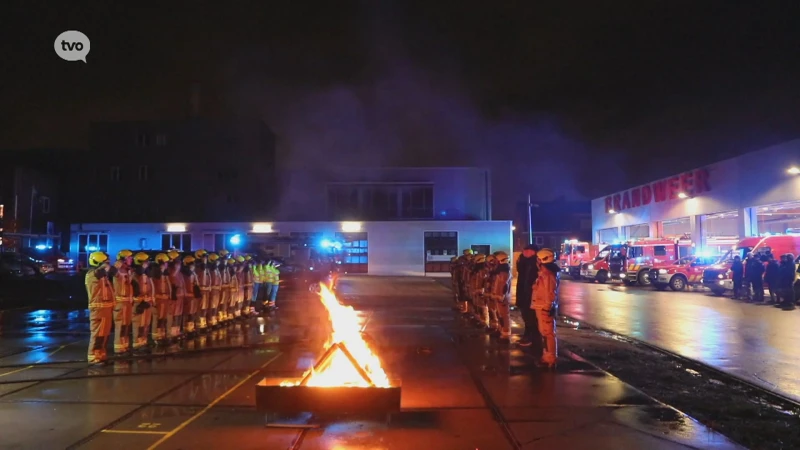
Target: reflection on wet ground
column 461, row 389
column 755, row 342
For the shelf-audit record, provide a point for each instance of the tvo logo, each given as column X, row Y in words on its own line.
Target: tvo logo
column 72, row 46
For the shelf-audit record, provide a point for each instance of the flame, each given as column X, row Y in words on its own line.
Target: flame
column 346, row 330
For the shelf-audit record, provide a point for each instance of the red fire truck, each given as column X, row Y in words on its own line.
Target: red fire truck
column 718, row 277
column 598, row 269
column 641, row 255
column 573, row 254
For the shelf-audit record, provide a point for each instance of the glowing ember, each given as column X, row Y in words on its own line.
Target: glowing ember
column 340, row 371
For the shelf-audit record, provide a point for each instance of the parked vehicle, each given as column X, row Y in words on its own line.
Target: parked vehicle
column 573, row 254
column 718, row 277
column 687, row 271
column 597, row 269
column 640, row 256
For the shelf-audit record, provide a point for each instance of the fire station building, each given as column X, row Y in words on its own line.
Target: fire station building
column 756, row 194
column 375, row 248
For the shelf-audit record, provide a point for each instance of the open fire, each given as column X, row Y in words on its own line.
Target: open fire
column 348, row 360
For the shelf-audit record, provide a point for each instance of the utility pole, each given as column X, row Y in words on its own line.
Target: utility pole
column 530, row 221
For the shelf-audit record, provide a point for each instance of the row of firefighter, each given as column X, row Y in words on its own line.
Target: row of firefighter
column 674, row 262
column 171, row 296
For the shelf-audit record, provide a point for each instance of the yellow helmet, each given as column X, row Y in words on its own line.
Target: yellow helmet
column 502, row 257
column 491, row 259
column 546, row 255
column 161, row 258
column 200, row 254
column 480, row 259
column 213, row 257
column 124, row 254
column 247, row 257
column 188, row 260
column 231, row 261
column 239, row 259
column 468, row 252
column 223, row 253
column 97, row 258
column 173, row 255
column 141, row 258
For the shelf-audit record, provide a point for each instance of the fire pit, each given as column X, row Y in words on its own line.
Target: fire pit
column 347, row 378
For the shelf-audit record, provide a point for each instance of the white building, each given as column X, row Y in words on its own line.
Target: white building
column 375, row 248
column 750, row 195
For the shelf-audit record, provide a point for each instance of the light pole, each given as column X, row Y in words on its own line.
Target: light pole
column 530, row 219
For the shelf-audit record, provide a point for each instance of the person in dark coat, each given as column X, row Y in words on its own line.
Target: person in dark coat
column 737, row 270
column 786, row 281
column 755, row 273
column 527, row 272
column 771, row 276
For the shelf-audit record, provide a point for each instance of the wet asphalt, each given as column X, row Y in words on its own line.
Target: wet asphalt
column 756, row 342
column 460, row 388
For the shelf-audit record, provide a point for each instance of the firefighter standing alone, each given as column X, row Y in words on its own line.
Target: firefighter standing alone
column 545, row 304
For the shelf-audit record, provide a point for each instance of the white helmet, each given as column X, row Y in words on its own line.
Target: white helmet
column 546, row 255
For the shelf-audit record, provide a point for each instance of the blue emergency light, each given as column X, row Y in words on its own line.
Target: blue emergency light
column 236, row 239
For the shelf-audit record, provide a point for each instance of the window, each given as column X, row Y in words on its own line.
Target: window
column 115, row 173
column 539, row 240
column 385, row 201
column 89, row 243
column 143, row 173
column 181, row 241
column 45, row 204
column 354, row 252
column 417, row 202
column 635, row 252
column 440, row 246
column 660, row 250
column 215, row 242
column 142, row 140
column 482, row 249
column 161, row 140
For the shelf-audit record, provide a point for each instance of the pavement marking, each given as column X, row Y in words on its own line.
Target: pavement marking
column 134, row 432
column 211, row 405
column 37, row 362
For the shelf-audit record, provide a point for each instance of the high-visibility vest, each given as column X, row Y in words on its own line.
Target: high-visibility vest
column 256, row 274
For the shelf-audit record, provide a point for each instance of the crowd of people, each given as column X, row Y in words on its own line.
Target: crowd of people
column 781, row 277
column 172, row 297
column 482, row 291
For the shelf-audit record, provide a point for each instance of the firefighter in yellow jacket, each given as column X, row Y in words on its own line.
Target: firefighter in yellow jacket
column 143, row 298
column 225, row 290
column 545, row 304
column 477, row 280
column 177, row 295
column 498, row 293
column 234, row 290
column 121, row 276
column 101, row 306
column 162, row 313
column 247, row 275
column 192, row 295
column 216, row 282
column 204, row 281
column 241, row 286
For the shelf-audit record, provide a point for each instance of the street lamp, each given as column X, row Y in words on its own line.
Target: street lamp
column 794, row 170
column 683, row 195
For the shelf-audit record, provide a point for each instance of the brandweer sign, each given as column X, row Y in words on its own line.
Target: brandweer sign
column 690, row 183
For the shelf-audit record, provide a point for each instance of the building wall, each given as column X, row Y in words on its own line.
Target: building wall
column 196, row 169
column 460, row 193
column 738, row 184
column 395, row 248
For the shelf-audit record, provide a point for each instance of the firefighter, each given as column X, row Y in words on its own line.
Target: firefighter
column 250, row 276
column 477, row 280
column 499, row 293
column 527, row 272
column 214, row 297
column 545, row 305
column 276, row 282
column 204, row 281
column 466, row 275
column 488, row 312
column 101, row 306
column 233, row 289
column 143, row 297
column 257, row 280
column 121, row 275
column 737, row 269
column 177, row 294
column 192, row 295
column 454, row 282
column 225, row 290
column 241, row 286
column 459, row 283
column 162, row 314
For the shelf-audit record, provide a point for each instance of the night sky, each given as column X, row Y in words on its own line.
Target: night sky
column 588, row 97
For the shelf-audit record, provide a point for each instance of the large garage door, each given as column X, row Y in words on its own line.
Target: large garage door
column 677, row 227
column 607, row 235
column 720, row 231
column 355, row 251
column 779, row 218
column 637, row 231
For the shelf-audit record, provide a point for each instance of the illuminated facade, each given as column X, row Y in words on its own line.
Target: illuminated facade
column 755, row 194
column 375, row 248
